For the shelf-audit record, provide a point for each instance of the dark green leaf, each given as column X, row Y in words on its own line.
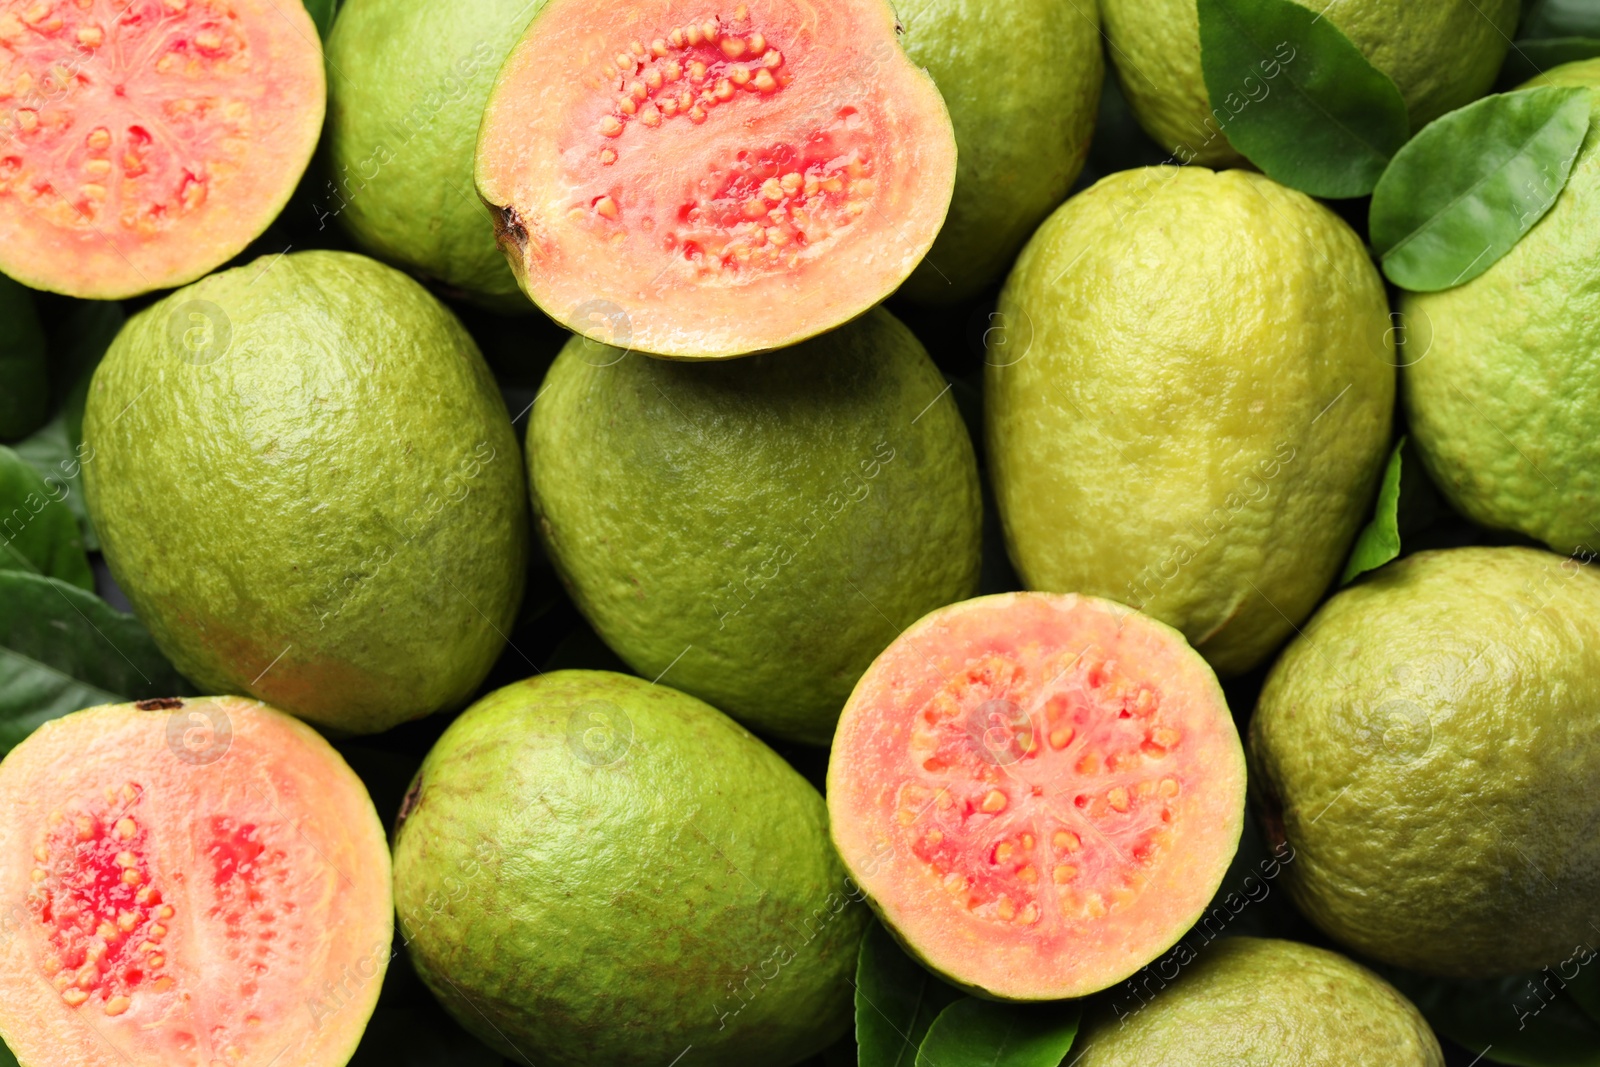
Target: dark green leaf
column 1529, row 59
column 1297, row 98
column 1529, row 1020
column 322, row 13
column 1465, row 190
column 1585, row 990
column 983, row 1033
column 24, row 368
column 897, row 1000
column 6, row 1058
column 38, row 532
column 62, row 649
column 1561, row 18
column 1380, row 541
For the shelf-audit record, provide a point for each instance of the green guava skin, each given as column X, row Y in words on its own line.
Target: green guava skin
column 1022, row 82
column 1188, row 403
column 25, row 400
column 594, row 871
column 1504, row 397
column 760, row 529
column 1429, row 748
column 407, row 84
column 1441, row 54
column 329, row 514
column 1257, row 1002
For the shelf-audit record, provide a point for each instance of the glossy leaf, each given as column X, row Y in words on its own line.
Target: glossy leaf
column 1298, row 98
column 1561, row 18
column 897, row 1000
column 986, row 1033
column 24, row 367
column 62, row 649
column 1467, row 188
column 1379, row 542
column 38, row 532
column 1528, row 1020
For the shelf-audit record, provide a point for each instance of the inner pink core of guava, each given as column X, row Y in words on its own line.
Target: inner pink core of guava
column 118, row 112
column 758, row 211
column 1045, row 791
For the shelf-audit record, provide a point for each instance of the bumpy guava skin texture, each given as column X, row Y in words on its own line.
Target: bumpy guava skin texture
column 1254, row 1002
column 406, row 86
column 306, row 482
column 1442, row 54
column 1503, row 393
column 1022, row 81
column 1429, row 748
column 593, row 871
column 758, row 529
column 1189, row 403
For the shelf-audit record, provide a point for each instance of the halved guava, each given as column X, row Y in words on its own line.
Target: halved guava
column 1039, row 793
column 187, row 883
column 704, row 181
column 145, row 142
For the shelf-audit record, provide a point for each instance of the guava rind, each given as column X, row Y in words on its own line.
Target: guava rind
column 593, row 870
column 1504, row 394
column 198, row 759
column 1254, row 1002
column 1201, row 442
column 321, row 503
column 1428, row 748
column 410, row 81
column 758, row 529
column 1022, row 134
column 1442, row 56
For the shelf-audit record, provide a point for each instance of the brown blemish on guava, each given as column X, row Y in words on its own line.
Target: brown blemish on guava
column 508, row 229
column 160, row 704
column 409, row 803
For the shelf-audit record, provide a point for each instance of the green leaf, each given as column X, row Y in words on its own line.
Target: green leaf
column 983, row 1033
column 1528, row 1020
column 1297, row 98
column 38, row 532
column 24, row 368
column 1529, row 59
column 1561, row 18
column 322, row 13
column 897, row 1000
column 1380, row 541
column 62, row 649
column 1465, row 190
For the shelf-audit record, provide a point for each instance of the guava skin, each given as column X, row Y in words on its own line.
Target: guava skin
column 1189, row 395
column 306, row 482
column 1022, row 82
column 1442, row 55
column 593, row 871
column 1429, row 748
column 1504, row 394
column 407, row 82
column 1255, row 1002
column 758, row 529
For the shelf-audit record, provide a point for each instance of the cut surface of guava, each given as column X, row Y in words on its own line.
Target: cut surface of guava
column 1039, row 793
column 698, row 180
column 187, row 883
column 145, row 142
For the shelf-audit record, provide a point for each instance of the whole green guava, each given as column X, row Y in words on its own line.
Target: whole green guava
column 594, row 871
column 1189, row 396
column 307, row 484
column 1255, row 1002
column 1022, row 82
column 407, row 83
column 1429, row 748
column 1503, row 395
column 756, row 531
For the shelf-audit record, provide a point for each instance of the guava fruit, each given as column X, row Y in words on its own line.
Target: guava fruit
column 1429, row 748
column 1189, row 396
column 756, row 531
column 148, row 141
column 1254, row 1002
column 1022, row 81
column 1503, row 395
column 594, row 871
column 307, row 484
column 721, row 183
column 1442, row 54
column 187, row 882
column 403, row 112
column 1038, row 793
column 24, row 369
